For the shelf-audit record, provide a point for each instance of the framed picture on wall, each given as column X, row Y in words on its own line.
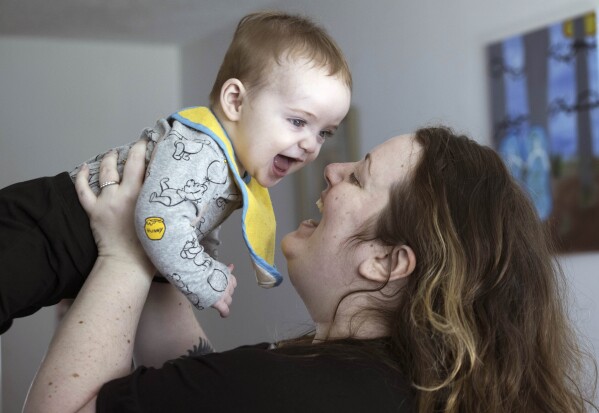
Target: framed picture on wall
column 309, row 181
column 544, row 95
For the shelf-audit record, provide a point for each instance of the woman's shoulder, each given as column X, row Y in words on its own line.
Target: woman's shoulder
column 332, row 378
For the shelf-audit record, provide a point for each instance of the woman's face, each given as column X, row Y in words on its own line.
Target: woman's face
column 322, row 267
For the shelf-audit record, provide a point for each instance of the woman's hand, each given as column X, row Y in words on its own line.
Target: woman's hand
column 111, row 213
column 94, row 342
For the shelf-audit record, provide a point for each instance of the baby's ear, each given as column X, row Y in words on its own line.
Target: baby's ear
column 386, row 264
column 231, row 98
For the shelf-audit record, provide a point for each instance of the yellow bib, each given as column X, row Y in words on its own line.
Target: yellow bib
column 258, row 223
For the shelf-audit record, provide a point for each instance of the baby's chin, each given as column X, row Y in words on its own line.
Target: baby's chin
column 268, row 182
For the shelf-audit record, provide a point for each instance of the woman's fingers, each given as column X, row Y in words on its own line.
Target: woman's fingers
column 133, row 174
column 109, row 175
column 87, row 198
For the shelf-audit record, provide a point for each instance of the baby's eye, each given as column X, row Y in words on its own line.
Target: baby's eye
column 354, row 179
column 326, row 134
column 297, row 122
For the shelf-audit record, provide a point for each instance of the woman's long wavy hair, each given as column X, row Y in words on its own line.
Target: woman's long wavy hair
column 481, row 324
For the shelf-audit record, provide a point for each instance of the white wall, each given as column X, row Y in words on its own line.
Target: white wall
column 63, row 102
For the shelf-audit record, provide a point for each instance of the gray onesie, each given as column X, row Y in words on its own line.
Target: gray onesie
column 189, row 190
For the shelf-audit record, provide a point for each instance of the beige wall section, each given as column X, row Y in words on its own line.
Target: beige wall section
column 63, row 102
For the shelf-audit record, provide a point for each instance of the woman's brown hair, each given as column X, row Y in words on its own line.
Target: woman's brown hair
column 481, row 324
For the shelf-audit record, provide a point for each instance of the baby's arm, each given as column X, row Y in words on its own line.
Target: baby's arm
column 176, row 198
column 211, row 242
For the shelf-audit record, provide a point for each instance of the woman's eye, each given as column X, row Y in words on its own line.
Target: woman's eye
column 354, row 179
column 298, row 122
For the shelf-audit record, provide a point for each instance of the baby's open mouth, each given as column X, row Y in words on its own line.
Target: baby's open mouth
column 283, row 163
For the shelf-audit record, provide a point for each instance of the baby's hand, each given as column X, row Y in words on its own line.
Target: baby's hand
column 222, row 305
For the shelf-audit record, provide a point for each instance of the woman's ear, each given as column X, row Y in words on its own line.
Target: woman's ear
column 232, row 94
column 388, row 264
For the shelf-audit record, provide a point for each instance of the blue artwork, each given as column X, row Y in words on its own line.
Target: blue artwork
column 544, row 88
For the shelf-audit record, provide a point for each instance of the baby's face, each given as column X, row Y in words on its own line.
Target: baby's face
column 283, row 125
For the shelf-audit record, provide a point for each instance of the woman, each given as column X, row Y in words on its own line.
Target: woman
column 428, row 277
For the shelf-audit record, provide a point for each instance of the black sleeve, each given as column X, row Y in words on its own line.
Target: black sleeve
column 178, row 386
column 187, row 384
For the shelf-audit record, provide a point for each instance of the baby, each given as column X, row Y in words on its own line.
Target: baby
column 281, row 91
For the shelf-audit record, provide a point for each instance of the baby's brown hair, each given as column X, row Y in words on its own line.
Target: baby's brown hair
column 264, row 38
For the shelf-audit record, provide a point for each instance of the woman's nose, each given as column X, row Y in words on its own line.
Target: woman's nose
column 332, row 173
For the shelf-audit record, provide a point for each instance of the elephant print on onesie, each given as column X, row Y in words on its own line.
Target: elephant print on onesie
column 216, row 174
column 185, row 147
column 192, row 250
column 191, row 191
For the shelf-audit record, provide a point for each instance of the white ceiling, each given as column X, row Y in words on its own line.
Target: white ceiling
column 155, row 21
